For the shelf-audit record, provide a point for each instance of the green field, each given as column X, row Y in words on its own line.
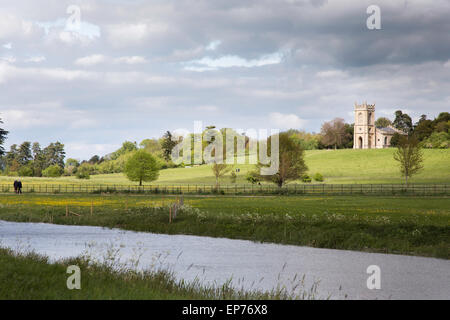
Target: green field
column 404, row 225
column 337, row 166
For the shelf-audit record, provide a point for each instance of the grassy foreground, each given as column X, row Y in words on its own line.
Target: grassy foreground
column 404, row 225
column 337, row 166
column 28, row 276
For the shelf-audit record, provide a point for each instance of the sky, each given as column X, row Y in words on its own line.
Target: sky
column 92, row 74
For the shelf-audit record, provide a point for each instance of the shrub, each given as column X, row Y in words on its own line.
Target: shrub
column 25, row 172
column 318, row 177
column 83, row 174
column 306, row 178
column 53, row 171
column 12, row 173
column 437, row 140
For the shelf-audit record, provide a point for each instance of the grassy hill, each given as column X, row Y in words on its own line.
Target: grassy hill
column 337, row 166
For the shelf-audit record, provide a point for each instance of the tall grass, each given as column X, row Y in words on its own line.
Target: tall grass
column 27, row 275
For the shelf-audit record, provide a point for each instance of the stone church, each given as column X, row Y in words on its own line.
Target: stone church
column 366, row 135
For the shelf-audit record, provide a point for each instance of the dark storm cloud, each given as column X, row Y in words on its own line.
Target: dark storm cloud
column 158, row 65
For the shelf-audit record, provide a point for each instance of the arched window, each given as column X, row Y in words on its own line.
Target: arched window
column 360, row 118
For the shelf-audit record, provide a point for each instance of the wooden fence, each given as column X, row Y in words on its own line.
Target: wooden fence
column 305, row 189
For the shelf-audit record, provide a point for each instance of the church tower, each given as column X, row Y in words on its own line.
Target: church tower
column 364, row 131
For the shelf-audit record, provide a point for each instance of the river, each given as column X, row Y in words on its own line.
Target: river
column 339, row 274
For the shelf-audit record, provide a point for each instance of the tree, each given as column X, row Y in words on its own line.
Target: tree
column 127, row 147
column 25, row 171
column 3, row 135
column 403, row 122
column 71, row 166
column 291, row 162
column 84, row 171
column 53, row 171
column 142, row 166
column 219, row 170
column 395, row 139
column 24, row 153
column 233, row 177
column 308, row 141
column 11, row 156
column 167, row 145
column 54, row 154
column 383, row 122
column 334, row 132
column 348, row 137
column 94, row 159
column 423, row 128
column 409, row 155
column 38, row 159
column 152, row 146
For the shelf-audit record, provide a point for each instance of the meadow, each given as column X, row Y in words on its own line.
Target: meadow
column 385, row 224
column 347, row 166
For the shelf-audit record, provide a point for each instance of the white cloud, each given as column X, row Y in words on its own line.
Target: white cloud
column 46, row 114
column 9, row 59
column 207, row 108
column 286, row 121
column 9, row 72
column 123, row 34
column 213, row 45
column 10, row 25
column 131, row 60
column 8, row 46
column 90, row 60
column 61, row 29
column 331, row 74
column 80, row 150
column 36, row 59
column 208, row 63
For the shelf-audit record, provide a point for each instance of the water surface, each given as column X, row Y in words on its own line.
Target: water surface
column 341, row 274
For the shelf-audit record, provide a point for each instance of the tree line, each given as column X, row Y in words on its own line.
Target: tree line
column 339, row 135
column 29, row 159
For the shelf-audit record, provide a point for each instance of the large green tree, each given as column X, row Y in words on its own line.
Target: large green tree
column 219, row 170
column 24, row 155
column 142, row 166
column 335, row 133
column 167, row 145
column 403, row 122
column 3, row 135
column 423, row 128
column 291, row 161
column 409, row 156
column 54, row 154
column 127, row 147
column 38, row 159
column 383, row 122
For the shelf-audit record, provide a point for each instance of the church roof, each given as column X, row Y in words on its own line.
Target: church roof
column 389, row 130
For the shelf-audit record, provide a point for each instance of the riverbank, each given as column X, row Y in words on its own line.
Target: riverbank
column 403, row 225
column 29, row 276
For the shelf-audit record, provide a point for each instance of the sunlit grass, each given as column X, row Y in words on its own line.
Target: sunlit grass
column 337, row 166
column 407, row 225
